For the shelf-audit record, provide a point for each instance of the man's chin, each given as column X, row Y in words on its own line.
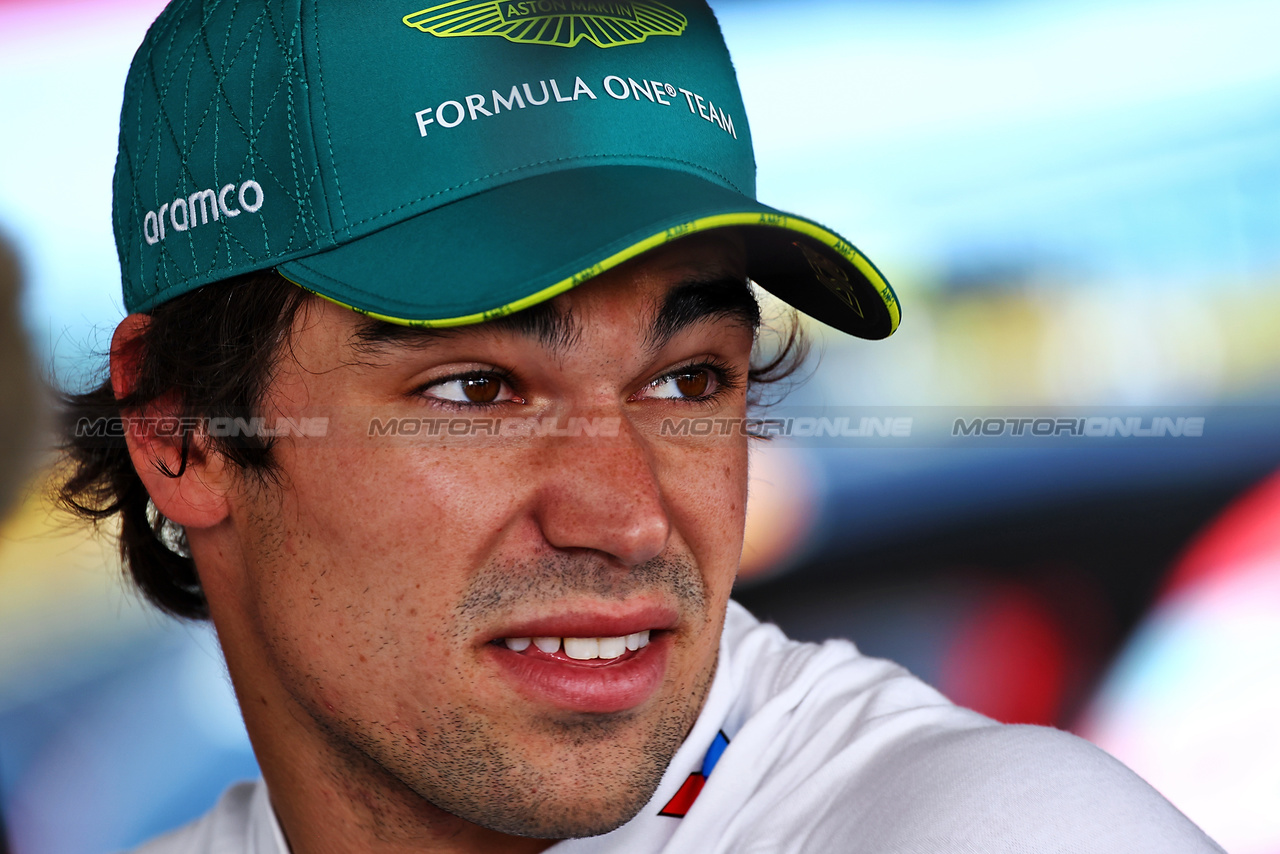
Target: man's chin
column 560, row 821
column 554, row 808
column 604, row 793
column 586, row 787
column 597, row 774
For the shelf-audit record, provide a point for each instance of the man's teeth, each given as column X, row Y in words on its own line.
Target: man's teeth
column 607, row 647
column 547, row 645
column 583, row 649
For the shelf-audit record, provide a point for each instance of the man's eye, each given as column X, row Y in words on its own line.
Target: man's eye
column 476, row 389
column 691, row 384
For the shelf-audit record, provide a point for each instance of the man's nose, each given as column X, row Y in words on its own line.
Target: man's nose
column 604, row 493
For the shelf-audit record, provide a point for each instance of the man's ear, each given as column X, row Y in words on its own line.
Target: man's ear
column 191, row 493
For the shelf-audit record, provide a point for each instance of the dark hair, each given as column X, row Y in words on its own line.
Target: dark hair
column 212, row 354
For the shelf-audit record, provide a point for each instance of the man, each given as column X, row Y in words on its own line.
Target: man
column 420, row 301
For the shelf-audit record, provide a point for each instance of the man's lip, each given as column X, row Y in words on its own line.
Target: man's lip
column 589, row 687
column 589, row 623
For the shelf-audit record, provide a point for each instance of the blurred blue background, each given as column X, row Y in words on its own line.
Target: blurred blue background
column 1079, row 205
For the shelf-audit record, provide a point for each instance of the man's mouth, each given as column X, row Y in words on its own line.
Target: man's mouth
column 581, row 649
column 588, row 663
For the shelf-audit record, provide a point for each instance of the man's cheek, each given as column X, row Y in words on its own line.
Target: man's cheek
column 709, row 491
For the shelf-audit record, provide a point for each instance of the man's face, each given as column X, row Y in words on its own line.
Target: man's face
column 379, row 603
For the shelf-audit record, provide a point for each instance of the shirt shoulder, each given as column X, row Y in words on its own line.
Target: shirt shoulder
column 242, row 822
column 1002, row 788
column 831, row 750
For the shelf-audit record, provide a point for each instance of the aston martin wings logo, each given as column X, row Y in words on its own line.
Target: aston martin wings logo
column 563, row 23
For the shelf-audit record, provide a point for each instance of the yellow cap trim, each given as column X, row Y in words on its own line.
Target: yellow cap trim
column 773, row 220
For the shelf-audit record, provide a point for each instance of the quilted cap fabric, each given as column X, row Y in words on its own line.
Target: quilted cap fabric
column 216, row 98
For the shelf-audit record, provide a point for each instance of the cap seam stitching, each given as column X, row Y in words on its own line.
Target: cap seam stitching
column 252, row 156
column 295, row 144
column 532, row 166
column 324, row 101
column 183, row 150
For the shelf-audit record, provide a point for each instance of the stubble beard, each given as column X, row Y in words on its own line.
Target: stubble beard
column 608, row 765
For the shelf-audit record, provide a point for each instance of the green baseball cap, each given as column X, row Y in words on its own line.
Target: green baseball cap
column 446, row 165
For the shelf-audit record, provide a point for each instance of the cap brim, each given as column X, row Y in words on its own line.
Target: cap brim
column 505, row 249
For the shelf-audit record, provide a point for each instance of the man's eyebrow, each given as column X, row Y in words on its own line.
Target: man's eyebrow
column 555, row 329
column 726, row 298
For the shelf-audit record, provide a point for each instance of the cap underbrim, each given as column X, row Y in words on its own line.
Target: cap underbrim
column 509, row 248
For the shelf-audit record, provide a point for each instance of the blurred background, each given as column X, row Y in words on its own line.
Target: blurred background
column 1079, row 205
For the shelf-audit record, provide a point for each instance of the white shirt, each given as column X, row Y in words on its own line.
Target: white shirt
column 831, row 751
